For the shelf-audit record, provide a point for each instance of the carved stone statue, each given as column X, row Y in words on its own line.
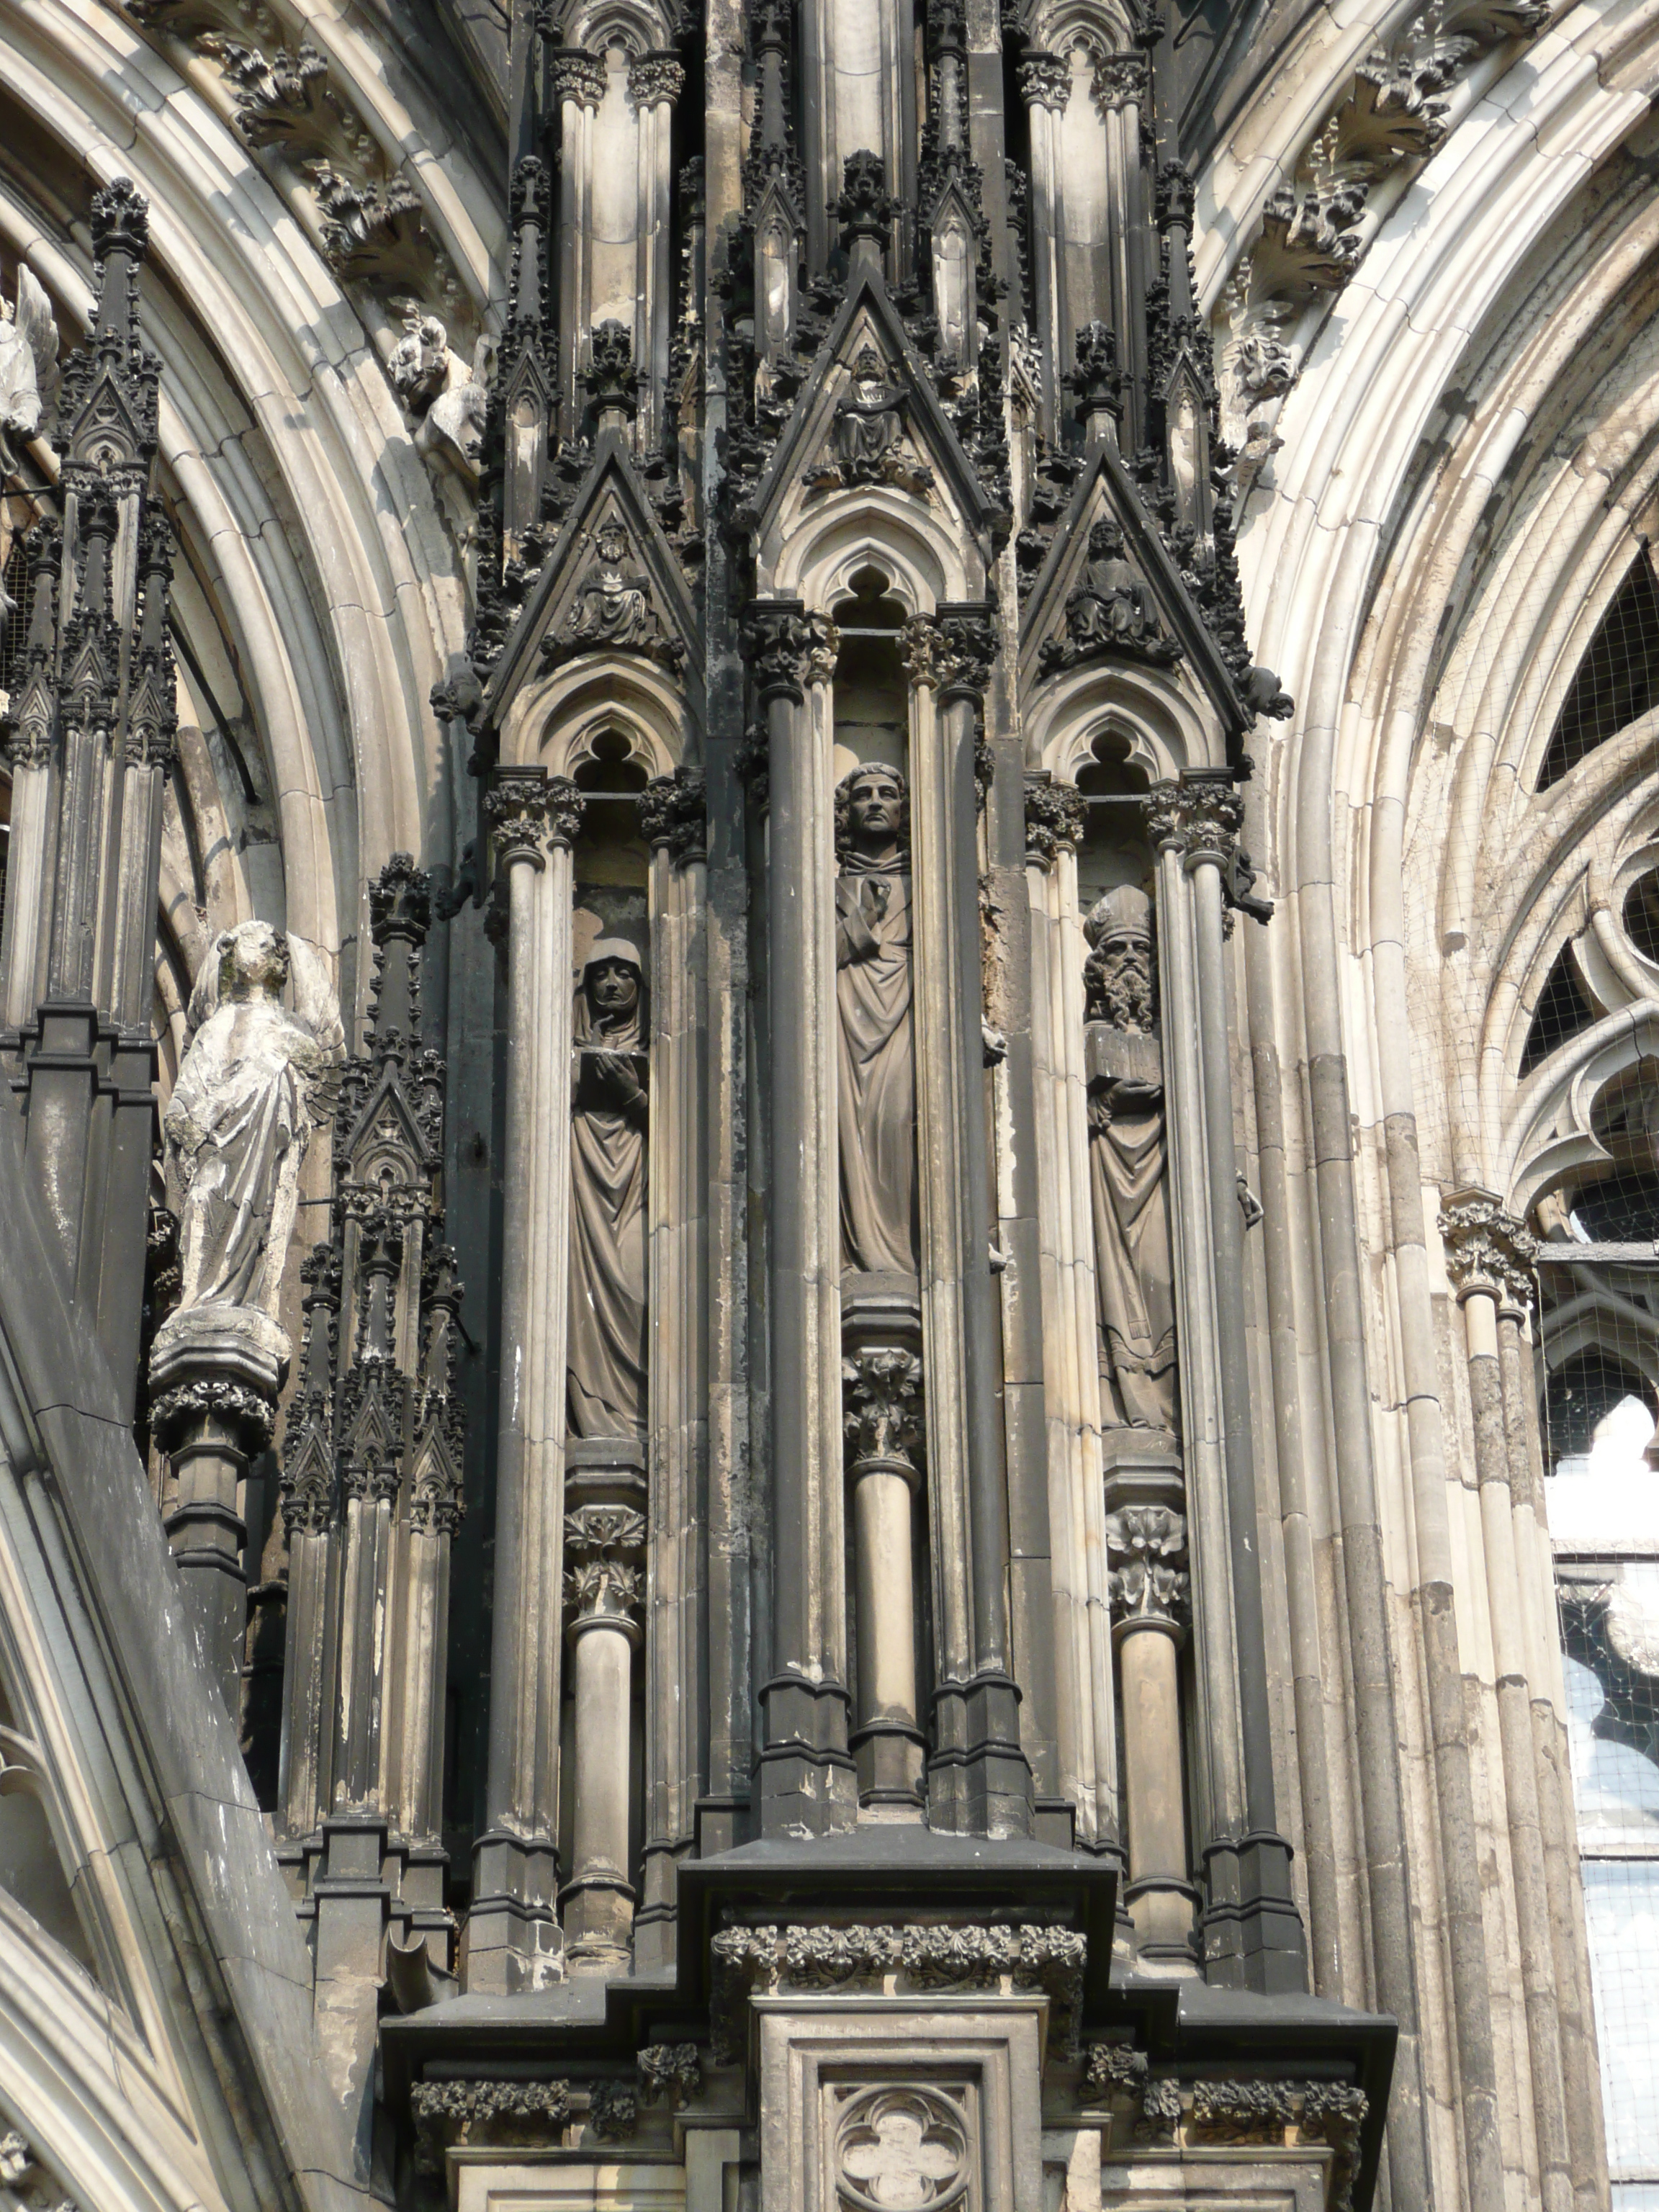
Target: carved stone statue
column 28, row 365
column 869, row 421
column 1109, row 610
column 239, row 1118
column 613, row 606
column 876, row 1056
column 609, row 1112
column 1127, row 1163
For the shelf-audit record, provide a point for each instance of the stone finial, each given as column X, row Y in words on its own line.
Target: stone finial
column 865, row 207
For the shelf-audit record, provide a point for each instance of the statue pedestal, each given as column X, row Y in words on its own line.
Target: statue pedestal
column 215, row 1375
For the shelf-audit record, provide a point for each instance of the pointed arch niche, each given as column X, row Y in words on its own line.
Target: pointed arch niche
column 597, row 819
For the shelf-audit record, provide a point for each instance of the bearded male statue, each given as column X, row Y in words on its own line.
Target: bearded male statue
column 238, row 1124
column 876, row 1056
column 1127, row 1161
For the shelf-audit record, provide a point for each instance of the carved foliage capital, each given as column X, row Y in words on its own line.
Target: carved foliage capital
column 1199, row 820
column 576, row 75
column 1487, row 1249
column 654, row 78
column 1147, row 1547
column 603, row 1546
column 882, row 1401
column 786, row 648
column 673, row 811
column 971, row 634
column 1045, row 81
column 1056, row 816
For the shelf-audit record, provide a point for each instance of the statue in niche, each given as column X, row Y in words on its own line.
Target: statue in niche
column 239, row 1118
column 876, row 1056
column 1127, row 1161
column 609, row 1110
column 866, row 437
column 1109, row 610
column 613, row 606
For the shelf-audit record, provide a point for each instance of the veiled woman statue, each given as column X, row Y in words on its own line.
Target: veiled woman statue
column 876, row 1059
column 609, row 1110
column 1128, row 1159
column 239, row 1121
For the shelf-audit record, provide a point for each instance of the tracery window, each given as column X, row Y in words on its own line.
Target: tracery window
column 1599, row 1357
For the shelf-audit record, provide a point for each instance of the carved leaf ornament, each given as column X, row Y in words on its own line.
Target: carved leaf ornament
column 901, row 2149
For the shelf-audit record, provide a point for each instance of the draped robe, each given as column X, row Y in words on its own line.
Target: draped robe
column 606, row 1357
column 1133, row 1273
column 876, row 1066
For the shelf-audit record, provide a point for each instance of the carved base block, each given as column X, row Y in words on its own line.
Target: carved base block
column 867, row 2103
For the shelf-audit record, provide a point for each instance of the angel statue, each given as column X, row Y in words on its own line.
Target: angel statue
column 238, row 1124
column 28, row 366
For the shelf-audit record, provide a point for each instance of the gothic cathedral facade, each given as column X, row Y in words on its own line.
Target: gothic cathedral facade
column 829, row 1173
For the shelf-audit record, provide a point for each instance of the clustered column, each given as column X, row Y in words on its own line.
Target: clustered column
column 807, row 1779
column 979, row 1781
column 1490, row 1258
column 1253, row 1931
column 513, row 1939
column 603, row 1549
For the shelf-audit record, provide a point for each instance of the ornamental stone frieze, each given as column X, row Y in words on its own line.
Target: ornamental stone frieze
column 896, row 1959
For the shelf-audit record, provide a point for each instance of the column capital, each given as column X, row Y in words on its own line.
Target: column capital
column 574, row 73
column 883, row 1417
column 786, row 648
column 529, row 810
column 603, row 1548
column 1488, row 1249
column 1045, row 81
column 970, row 627
column 1120, row 80
column 1200, row 820
column 673, row 812
column 1148, row 1583
column 1056, row 816
column 655, row 79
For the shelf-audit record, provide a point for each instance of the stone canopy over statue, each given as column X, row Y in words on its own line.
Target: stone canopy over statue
column 876, row 1051
column 237, row 1127
column 610, row 1114
column 1128, row 1156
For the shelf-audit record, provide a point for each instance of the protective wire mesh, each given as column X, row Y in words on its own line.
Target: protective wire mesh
column 1598, row 1337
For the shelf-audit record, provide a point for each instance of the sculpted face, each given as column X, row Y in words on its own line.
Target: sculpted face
column 875, row 805
column 253, row 958
column 1121, row 946
column 613, row 988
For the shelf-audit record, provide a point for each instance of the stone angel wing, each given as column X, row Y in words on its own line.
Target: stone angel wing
column 205, row 992
column 39, row 328
column 314, row 1002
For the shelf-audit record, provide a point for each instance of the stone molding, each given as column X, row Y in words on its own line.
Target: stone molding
column 756, row 1961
